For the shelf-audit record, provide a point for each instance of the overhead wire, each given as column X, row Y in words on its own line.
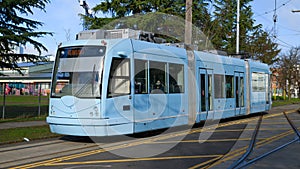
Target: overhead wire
column 275, row 20
column 288, row 28
column 294, row 34
column 284, row 42
column 268, row 12
column 275, row 25
column 285, row 46
column 278, row 24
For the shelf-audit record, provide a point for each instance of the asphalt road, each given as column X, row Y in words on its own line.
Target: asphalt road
column 212, row 145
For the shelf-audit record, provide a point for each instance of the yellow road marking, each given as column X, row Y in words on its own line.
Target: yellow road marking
column 235, row 130
column 266, row 123
column 133, row 160
column 171, row 135
column 197, row 141
column 206, row 162
column 242, row 150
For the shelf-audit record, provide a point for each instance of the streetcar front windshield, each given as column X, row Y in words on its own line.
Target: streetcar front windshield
column 78, row 71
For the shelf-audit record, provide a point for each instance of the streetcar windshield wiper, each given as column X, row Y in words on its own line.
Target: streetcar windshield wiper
column 83, row 88
column 93, row 80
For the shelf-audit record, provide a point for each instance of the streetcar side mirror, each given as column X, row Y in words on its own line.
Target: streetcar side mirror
column 122, row 54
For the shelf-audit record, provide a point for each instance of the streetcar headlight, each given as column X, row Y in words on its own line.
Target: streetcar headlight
column 52, row 112
column 96, row 110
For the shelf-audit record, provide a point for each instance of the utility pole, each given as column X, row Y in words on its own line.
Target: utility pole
column 192, row 112
column 238, row 28
column 88, row 12
column 275, row 20
column 86, row 7
column 188, row 22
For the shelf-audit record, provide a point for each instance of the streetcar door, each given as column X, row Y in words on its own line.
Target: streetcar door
column 119, row 96
column 150, row 99
column 141, row 95
column 205, row 88
column 239, row 93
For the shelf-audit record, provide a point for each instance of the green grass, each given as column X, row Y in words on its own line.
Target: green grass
column 22, row 119
column 285, row 102
column 18, row 134
column 24, row 106
column 23, row 111
column 24, row 100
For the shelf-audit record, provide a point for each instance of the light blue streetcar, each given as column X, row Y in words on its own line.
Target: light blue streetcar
column 114, row 86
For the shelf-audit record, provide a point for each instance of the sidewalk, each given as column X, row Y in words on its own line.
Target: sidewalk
column 9, row 125
column 284, row 108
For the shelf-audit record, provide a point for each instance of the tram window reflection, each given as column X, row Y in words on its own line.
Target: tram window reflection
column 119, row 78
column 158, row 77
column 176, row 78
column 140, row 77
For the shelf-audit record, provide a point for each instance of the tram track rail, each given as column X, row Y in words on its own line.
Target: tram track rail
column 214, row 161
column 46, row 155
column 293, row 126
column 245, row 152
column 251, row 145
column 22, row 147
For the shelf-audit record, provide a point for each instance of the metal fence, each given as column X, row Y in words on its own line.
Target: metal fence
column 24, row 100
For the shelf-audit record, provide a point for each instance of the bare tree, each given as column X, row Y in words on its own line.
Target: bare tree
column 68, row 34
column 289, row 67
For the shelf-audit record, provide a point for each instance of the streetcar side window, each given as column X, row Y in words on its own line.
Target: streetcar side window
column 119, row 78
column 242, row 91
column 140, row 77
column 267, row 88
column 210, row 93
column 219, row 86
column 258, row 82
column 176, row 78
column 229, row 86
column 158, row 77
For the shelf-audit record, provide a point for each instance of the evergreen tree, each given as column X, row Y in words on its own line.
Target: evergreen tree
column 261, row 47
column 121, row 8
column 158, row 16
column 16, row 30
column 225, row 24
column 218, row 27
column 253, row 40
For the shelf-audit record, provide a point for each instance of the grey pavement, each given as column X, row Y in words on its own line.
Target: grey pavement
column 8, row 125
column 284, row 108
column 289, row 157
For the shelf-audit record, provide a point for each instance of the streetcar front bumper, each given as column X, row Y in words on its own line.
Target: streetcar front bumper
column 89, row 127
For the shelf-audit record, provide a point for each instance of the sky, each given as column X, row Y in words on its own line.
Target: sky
column 62, row 16
column 288, row 23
